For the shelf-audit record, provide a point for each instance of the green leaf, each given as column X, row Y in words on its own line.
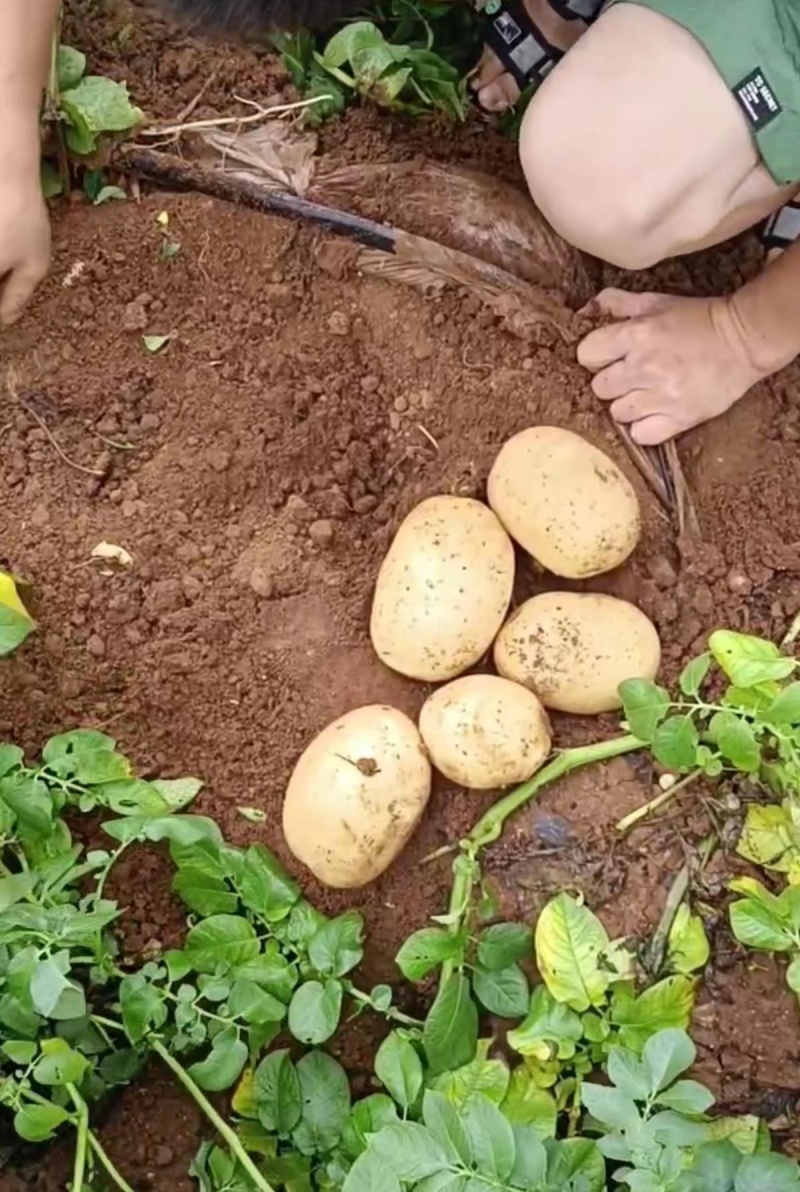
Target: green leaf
column 19, row 1051
column 221, row 943
column 368, row 1116
column 109, row 194
column 177, row 793
column 688, row 949
column 667, row 1004
column 785, row 708
column 315, row 1010
column 337, row 947
column 31, row 803
column 644, row 705
column 793, row 975
column 11, row 756
column 277, row 1093
column 767, row 1173
column 736, row 741
column 70, row 67
column 53, row 995
column 753, row 923
column 749, row 661
column 504, row 992
column 370, row 1174
column 504, row 944
column 687, row 1096
column 628, row 1074
column 426, row 949
column 325, row 1094
column 450, row 1034
column 610, row 1106
column 223, row 1066
column 665, row 1056
column 97, row 105
column 155, row 343
column 183, row 830
column 570, row 942
column 675, row 743
column 550, row 1027
column 409, row 1151
column 14, row 628
column 143, row 1007
column 59, row 1064
column 131, row 796
column 14, row 888
column 445, row 1124
column 491, row 1139
column 265, row 887
column 399, row 1069
column 694, row 674
column 575, row 1165
column 205, row 894
column 526, row 1104
column 252, row 1003
column 770, row 837
column 37, row 1123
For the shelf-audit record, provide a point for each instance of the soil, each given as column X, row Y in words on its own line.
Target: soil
column 255, row 469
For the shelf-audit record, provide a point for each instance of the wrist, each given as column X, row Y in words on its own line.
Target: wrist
column 763, row 327
column 20, row 146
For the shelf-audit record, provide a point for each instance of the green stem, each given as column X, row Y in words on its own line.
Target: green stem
column 490, row 826
column 82, row 1127
column 107, row 1165
column 630, row 821
column 219, row 1124
column 392, row 1013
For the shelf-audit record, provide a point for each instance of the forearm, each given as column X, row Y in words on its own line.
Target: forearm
column 26, row 28
column 767, row 311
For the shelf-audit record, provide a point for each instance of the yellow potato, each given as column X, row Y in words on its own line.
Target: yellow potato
column 565, row 502
column 483, row 732
column 573, row 649
column 443, row 589
column 356, row 795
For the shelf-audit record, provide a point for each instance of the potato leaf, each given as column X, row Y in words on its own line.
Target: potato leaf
column 571, row 943
column 504, row 992
column 645, row 706
column 399, row 1069
column 749, row 661
column 480, row 1077
column 675, row 743
column 426, row 949
column 277, row 1093
column 315, row 1010
column 504, row 944
column 450, row 1035
column 325, row 1094
column 338, row 945
column 688, row 948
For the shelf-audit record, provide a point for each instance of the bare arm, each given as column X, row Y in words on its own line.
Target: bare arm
column 768, row 311
column 25, row 36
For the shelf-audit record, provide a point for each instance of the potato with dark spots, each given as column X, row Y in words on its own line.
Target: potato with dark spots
column 442, row 590
column 484, row 732
column 356, row 795
column 565, row 502
column 573, row 649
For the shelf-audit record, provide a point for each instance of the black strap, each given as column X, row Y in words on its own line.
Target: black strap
column 519, row 42
column 783, row 228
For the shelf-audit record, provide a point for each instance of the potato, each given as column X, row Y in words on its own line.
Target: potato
column 483, row 732
column 356, row 795
column 443, row 589
column 565, row 502
column 573, row 649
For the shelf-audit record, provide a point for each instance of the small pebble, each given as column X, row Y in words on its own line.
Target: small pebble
column 96, row 646
column 401, row 404
column 339, row 323
column 321, row 532
column 261, row 583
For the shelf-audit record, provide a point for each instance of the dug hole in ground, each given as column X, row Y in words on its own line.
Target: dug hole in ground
column 270, row 452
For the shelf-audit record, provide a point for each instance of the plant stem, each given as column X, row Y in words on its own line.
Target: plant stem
column 106, row 1164
column 82, row 1127
column 219, row 1124
column 630, row 821
column 490, row 826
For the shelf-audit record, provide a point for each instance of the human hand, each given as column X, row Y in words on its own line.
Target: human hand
column 670, row 363
column 24, row 222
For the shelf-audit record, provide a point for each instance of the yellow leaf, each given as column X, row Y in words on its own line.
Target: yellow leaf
column 244, row 1101
column 9, row 596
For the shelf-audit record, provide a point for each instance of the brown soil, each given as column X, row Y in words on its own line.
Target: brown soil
column 296, row 415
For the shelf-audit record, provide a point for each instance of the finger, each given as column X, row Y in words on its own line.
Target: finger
column 488, row 69
column 18, row 288
column 499, row 95
column 637, row 405
column 621, row 304
column 613, row 382
column 659, row 428
column 604, row 346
